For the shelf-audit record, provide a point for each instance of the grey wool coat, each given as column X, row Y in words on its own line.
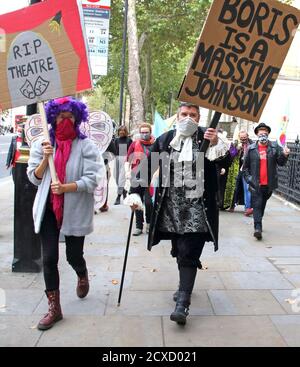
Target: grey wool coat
column 85, row 167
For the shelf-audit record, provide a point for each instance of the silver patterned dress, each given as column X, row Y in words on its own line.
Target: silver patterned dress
column 182, row 208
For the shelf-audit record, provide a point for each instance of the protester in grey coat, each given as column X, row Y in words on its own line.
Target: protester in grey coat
column 67, row 205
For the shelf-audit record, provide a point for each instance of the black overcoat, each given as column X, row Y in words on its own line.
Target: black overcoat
column 211, row 211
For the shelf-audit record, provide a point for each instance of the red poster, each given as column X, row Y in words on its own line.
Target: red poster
column 45, row 53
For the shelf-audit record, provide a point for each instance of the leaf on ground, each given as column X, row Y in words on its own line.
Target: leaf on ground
column 114, row 282
column 290, row 301
column 33, row 327
column 153, row 270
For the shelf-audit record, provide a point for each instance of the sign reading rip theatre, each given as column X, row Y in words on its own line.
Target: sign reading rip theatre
column 45, row 54
column 239, row 56
column 31, row 69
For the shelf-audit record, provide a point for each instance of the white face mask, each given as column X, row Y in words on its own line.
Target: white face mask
column 187, row 126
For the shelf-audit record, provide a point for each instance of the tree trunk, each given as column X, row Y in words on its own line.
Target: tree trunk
column 148, row 79
column 134, row 82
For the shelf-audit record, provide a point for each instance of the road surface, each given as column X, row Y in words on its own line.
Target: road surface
column 4, row 145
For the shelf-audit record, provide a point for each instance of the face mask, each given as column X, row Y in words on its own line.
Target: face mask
column 65, row 130
column 187, row 126
column 263, row 138
column 145, row 136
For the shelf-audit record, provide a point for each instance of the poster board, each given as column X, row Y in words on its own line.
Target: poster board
column 45, row 53
column 239, row 55
column 96, row 20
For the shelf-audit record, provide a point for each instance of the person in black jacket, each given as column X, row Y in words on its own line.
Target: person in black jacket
column 13, row 151
column 185, row 212
column 122, row 144
column 260, row 171
column 110, row 151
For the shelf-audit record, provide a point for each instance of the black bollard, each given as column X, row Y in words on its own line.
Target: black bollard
column 27, row 246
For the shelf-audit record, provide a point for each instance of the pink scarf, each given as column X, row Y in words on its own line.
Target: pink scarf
column 139, row 151
column 64, row 136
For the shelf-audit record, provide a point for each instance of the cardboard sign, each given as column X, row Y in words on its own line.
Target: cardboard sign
column 239, row 55
column 45, row 53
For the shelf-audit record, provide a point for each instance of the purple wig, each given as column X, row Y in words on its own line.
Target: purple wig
column 67, row 104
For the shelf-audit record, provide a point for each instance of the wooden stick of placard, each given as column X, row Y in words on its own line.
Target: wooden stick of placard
column 47, row 137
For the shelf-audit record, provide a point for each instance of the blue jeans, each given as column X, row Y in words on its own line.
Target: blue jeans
column 260, row 199
column 247, row 195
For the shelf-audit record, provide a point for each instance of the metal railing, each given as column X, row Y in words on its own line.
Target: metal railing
column 289, row 175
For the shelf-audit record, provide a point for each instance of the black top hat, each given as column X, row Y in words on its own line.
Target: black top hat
column 262, row 125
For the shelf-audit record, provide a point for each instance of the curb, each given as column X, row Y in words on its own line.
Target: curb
column 285, row 202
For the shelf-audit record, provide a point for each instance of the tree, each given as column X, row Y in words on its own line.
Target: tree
column 134, row 81
column 170, row 30
column 167, row 31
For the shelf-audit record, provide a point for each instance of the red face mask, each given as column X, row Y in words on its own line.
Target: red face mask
column 65, row 130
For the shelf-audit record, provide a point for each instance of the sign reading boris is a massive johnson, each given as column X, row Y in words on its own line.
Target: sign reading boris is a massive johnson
column 239, row 55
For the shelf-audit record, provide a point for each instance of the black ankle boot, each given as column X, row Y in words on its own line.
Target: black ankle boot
column 258, row 230
column 118, row 200
column 182, row 308
column 175, row 296
column 124, row 194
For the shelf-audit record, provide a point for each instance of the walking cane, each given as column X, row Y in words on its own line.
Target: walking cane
column 125, row 259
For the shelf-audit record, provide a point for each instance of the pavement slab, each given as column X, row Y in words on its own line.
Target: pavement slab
column 254, row 280
column 242, row 297
column 244, row 302
column 104, row 331
column 19, row 331
column 289, row 328
column 158, row 303
column 223, row 331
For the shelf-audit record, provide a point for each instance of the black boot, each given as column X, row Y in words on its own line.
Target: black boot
column 258, row 230
column 124, row 194
column 182, row 308
column 187, row 276
column 187, row 279
column 118, row 200
column 175, row 294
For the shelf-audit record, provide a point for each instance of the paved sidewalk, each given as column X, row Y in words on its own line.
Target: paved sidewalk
column 243, row 297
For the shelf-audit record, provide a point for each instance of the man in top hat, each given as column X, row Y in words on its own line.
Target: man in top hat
column 260, row 171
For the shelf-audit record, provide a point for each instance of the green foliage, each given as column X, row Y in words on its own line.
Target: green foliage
column 172, row 28
column 289, row 2
column 97, row 100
